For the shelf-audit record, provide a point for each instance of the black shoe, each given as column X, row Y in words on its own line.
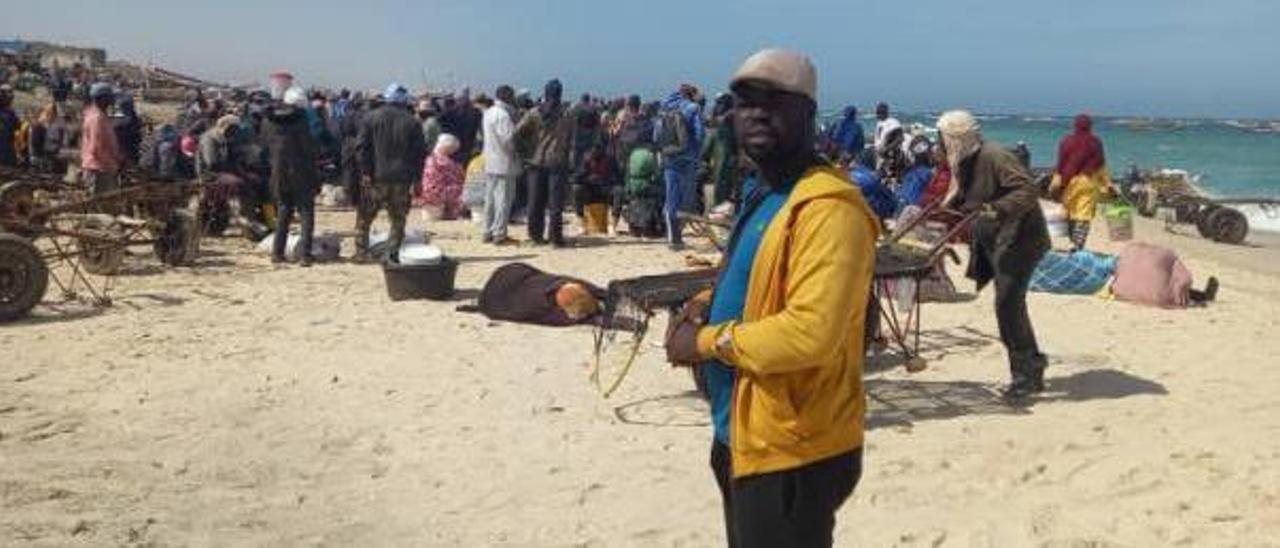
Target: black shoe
column 305, row 261
column 538, row 241
column 487, row 239
column 559, row 244
column 1211, row 289
column 277, row 259
column 1021, row 390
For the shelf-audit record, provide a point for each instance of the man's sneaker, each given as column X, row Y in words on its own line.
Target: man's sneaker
column 305, row 261
column 505, row 242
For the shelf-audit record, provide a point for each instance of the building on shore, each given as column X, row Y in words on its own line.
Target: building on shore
column 53, row 56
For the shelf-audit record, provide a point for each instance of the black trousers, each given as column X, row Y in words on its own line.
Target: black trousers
column 546, row 204
column 791, row 508
column 1026, row 363
column 304, row 202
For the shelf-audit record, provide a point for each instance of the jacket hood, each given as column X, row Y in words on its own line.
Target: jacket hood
column 825, row 182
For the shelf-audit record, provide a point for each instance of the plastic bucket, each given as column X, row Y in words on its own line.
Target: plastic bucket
column 1120, row 222
column 430, row 281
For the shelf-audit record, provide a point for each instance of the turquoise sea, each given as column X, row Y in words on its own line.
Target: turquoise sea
column 1229, row 158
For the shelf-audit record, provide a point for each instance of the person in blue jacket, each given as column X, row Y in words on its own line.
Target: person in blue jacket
column 847, row 137
column 918, row 176
column 877, row 195
column 678, row 133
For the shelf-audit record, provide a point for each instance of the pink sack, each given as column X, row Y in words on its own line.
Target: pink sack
column 1151, row 275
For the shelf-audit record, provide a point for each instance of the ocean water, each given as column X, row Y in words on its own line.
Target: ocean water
column 1231, row 159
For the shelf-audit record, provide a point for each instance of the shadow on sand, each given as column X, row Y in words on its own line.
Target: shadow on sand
column 936, row 344
column 906, row 402
column 495, row 258
column 686, row 409
column 48, row 313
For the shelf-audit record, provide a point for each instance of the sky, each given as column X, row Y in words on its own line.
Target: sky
column 1181, row 58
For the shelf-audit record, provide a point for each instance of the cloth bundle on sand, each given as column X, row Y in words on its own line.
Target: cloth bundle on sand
column 1078, row 273
column 1152, row 275
column 521, row 293
column 325, row 245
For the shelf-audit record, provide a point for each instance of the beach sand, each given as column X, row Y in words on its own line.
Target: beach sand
column 236, row 403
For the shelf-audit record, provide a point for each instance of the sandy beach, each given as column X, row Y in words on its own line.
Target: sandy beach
column 240, row 404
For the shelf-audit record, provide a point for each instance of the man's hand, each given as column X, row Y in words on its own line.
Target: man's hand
column 682, row 334
column 984, row 210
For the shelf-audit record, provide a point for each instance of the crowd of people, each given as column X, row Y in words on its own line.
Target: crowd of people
column 788, row 313
column 607, row 161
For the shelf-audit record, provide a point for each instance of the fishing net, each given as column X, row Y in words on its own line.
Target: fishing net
column 629, row 306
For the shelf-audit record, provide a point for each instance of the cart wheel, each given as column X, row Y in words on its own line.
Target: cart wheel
column 1185, row 208
column 99, row 258
column 1229, row 226
column 18, row 201
column 1202, row 221
column 917, row 364
column 178, row 243
column 23, row 277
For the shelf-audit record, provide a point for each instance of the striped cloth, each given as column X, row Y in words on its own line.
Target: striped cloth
column 1075, row 273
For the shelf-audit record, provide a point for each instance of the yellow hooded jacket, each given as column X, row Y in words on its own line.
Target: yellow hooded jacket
column 798, row 351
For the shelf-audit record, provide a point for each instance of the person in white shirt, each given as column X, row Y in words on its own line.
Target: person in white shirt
column 500, row 165
column 886, row 125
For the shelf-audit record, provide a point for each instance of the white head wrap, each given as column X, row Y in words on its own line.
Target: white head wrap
column 446, row 144
column 962, row 137
column 294, row 96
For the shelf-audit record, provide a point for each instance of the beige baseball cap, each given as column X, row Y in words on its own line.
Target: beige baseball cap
column 785, row 70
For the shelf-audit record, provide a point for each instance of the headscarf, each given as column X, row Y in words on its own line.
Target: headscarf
column 446, row 145
column 1080, row 152
column 295, row 97
column 224, row 123
column 396, row 94
column 553, row 91
column 962, row 137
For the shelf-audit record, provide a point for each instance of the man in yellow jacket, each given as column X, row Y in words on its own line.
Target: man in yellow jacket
column 782, row 348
